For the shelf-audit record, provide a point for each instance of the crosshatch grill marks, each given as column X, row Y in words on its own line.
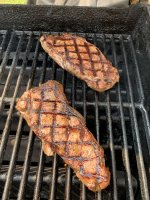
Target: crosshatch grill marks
column 39, row 112
column 78, row 52
column 90, row 58
column 66, row 52
column 72, row 148
column 79, row 57
column 68, row 128
column 91, row 61
column 52, row 129
column 82, row 59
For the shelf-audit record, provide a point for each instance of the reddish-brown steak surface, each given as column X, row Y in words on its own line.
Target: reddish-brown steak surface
column 63, row 130
column 82, row 59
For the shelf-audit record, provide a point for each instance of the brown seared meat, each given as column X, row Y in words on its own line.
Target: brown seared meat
column 63, row 130
column 81, row 59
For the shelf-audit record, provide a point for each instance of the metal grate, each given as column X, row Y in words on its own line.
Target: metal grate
column 117, row 118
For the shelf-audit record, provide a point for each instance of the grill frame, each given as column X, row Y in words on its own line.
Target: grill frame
column 108, row 104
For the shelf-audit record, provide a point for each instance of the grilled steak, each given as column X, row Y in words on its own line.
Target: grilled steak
column 63, row 130
column 81, row 59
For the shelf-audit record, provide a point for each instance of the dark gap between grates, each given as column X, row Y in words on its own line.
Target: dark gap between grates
column 116, row 118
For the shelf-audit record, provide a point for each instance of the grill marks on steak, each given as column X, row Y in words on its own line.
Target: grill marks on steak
column 82, row 59
column 63, row 130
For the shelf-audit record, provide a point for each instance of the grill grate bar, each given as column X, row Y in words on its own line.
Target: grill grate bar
column 89, row 103
column 68, row 184
column 99, row 194
column 83, row 189
column 137, row 143
column 29, row 150
column 102, row 117
column 105, row 146
column 5, row 133
column 39, row 175
column 6, row 56
column 125, row 153
column 137, row 69
column 11, row 169
column 53, row 183
column 3, row 44
column 113, row 104
column 15, row 59
column 111, row 142
column 54, row 169
column 147, row 124
column 18, row 133
column 68, row 171
column 26, row 167
column 97, row 118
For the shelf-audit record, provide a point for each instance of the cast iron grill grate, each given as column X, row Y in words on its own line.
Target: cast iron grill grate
column 117, row 118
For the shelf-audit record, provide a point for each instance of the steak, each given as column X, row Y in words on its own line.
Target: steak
column 63, row 130
column 82, row 59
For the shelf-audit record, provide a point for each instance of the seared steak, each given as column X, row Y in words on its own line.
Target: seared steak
column 82, row 59
column 63, row 130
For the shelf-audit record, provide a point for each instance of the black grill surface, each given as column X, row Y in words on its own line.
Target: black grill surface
column 117, row 118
